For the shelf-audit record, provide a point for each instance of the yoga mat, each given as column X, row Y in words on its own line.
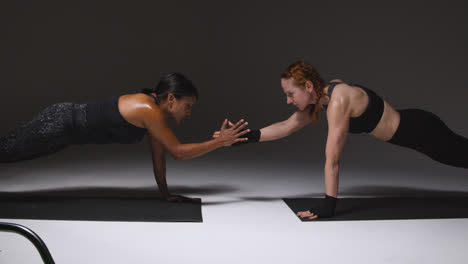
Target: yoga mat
column 387, row 208
column 100, row 209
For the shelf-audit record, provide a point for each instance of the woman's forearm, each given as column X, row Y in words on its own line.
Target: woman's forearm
column 159, row 169
column 192, row 150
column 332, row 170
column 275, row 131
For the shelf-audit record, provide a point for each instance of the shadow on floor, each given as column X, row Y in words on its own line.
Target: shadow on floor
column 121, row 192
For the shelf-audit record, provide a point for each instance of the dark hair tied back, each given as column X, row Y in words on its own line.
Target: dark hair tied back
column 175, row 83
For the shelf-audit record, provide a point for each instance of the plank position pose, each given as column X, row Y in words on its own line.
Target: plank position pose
column 353, row 108
column 121, row 119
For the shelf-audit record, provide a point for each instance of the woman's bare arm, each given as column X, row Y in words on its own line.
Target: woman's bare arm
column 338, row 115
column 285, row 128
column 338, row 127
column 159, row 166
column 159, row 169
column 158, row 130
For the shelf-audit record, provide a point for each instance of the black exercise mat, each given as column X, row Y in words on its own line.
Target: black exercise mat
column 100, row 209
column 387, row 208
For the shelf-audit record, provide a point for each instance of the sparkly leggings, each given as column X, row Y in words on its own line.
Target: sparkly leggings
column 52, row 130
column 425, row 132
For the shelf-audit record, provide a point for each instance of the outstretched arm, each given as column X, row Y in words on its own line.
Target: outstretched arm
column 159, row 131
column 285, row 128
column 278, row 130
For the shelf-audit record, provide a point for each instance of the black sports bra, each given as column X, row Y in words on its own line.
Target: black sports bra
column 371, row 116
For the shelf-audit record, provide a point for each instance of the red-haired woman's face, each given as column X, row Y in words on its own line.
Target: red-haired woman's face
column 296, row 95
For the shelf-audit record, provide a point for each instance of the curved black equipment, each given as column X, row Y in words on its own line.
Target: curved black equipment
column 31, row 236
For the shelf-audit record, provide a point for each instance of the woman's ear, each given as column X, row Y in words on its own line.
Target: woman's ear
column 309, row 86
column 171, row 100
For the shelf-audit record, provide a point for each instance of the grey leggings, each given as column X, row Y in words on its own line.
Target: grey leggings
column 52, row 130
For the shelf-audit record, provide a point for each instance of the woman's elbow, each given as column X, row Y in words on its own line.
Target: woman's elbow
column 178, row 153
column 332, row 162
column 179, row 157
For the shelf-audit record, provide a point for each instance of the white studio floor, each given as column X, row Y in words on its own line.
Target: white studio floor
column 244, row 219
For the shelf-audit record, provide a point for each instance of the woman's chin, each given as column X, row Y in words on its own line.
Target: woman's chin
column 175, row 120
column 180, row 120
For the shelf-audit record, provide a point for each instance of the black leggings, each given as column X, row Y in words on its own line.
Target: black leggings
column 52, row 130
column 427, row 133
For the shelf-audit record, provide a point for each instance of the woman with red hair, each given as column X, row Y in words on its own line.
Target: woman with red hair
column 353, row 108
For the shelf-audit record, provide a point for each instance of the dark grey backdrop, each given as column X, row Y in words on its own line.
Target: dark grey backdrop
column 413, row 53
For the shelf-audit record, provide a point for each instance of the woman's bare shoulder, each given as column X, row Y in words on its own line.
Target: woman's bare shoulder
column 137, row 97
column 139, row 109
column 341, row 89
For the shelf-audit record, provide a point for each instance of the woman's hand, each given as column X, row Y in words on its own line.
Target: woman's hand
column 326, row 208
column 180, row 198
column 307, row 214
column 229, row 136
column 216, row 133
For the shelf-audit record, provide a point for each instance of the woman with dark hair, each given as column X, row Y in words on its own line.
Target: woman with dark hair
column 120, row 119
column 352, row 108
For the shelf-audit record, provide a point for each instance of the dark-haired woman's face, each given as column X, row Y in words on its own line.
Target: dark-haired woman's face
column 182, row 108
